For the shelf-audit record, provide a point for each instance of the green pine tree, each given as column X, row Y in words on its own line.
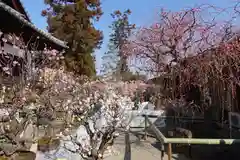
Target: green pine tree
column 114, row 60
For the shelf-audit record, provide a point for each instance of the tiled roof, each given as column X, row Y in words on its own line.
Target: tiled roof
column 21, row 18
column 27, row 14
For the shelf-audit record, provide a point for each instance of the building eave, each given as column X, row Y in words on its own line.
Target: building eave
column 25, row 11
column 20, row 17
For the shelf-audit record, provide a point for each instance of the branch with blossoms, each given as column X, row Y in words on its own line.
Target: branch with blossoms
column 22, row 61
column 20, row 66
column 215, row 73
column 176, row 35
column 191, row 50
column 96, row 109
column 107, row 104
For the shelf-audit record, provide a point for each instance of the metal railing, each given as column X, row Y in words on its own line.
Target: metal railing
column 169, row 141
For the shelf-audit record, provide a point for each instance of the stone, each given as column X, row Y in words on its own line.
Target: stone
column 28, row 133
column 46, row 144
column 8, row 149
column 33, row 148
column 71, row 146
column 83, row 137
column 23, row 156
column 60, row 153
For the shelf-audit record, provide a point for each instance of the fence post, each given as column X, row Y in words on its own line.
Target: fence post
column 145, row 128
column 162, row 151
column 169, row 151
column 190, row 151
column 127, row 155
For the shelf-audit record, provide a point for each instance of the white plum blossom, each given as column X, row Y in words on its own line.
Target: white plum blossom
column 110, row 105
column 99, row 105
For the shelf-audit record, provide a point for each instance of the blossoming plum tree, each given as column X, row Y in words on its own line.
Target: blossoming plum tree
column 107, row 103
column 175, row 36
column 99, row 106
column 191, row 48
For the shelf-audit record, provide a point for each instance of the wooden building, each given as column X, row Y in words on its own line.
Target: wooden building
column 19, row 37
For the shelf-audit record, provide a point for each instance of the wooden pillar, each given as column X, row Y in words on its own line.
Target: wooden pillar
column 29, row 65
column 145, row 128
column 162, row 151
column 169, row 151
column 127, row 155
